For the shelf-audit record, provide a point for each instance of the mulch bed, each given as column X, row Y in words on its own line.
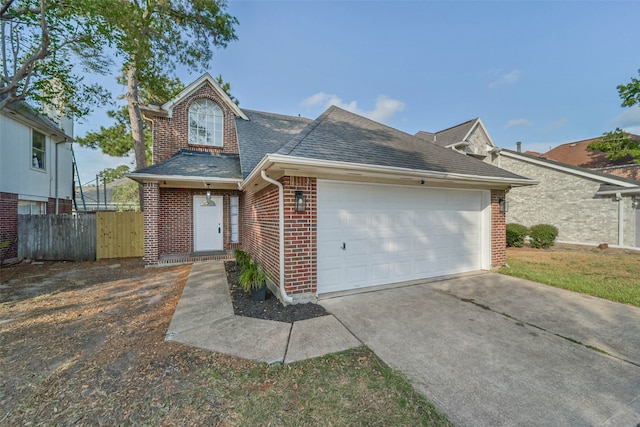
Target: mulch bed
column 269, row 309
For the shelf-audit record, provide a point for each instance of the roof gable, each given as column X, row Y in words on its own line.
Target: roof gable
column 166, row 109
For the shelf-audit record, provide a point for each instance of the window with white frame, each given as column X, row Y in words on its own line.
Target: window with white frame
column 234, row 219
column 205, row 123
column 38, row 150
column 29, row 207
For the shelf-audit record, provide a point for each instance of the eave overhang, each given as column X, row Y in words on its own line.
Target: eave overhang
column 179, row 181
column 277, row 165
column 634, row 191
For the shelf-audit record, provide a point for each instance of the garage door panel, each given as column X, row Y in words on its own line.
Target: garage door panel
column 395, row 233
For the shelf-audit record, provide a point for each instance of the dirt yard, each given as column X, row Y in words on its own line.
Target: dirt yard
column 83, row 344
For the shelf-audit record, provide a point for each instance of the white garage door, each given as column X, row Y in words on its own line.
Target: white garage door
column 371, row 234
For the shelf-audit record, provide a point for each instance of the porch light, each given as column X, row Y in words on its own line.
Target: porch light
column 207, row 201
column 301, row 201
column 504, row 205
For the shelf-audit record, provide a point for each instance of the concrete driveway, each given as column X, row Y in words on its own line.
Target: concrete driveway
column 491, row 350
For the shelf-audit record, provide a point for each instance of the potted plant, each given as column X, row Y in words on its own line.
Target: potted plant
column 242, row 258
column 253, row 279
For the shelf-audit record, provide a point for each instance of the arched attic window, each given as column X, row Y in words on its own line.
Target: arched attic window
column 205, row 123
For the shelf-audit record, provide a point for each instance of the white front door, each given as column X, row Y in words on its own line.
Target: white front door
column 207, row 225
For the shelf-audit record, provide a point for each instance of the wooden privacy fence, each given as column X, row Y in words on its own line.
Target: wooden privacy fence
column 81, row 238
column 57, row 237
column 119, row 234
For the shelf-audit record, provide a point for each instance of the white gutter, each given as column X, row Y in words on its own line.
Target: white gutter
column 634, row 190
column 620, row 219
column 283, row 293
column 381, row 170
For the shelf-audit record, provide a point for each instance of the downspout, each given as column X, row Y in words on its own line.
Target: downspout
column 620, row 219
column 283, row 293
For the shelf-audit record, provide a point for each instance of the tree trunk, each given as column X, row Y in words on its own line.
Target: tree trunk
column 137, row 131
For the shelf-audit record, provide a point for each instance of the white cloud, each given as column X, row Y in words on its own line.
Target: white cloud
column 629, row 118
column 504, row 79
column 558, row 124
column 384, row 109
column 518, row 122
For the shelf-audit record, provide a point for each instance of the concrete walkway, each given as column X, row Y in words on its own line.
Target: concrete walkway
column 492, row 350
column 204, row 318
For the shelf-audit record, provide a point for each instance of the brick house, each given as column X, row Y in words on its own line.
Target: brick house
column 588, row 206
column 36, row 175
column 579, row 154
column 332, row 204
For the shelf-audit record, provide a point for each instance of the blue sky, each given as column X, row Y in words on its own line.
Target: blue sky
column 543, row 73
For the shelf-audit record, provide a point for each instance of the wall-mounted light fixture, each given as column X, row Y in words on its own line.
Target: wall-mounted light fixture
column 301, row 201
column 504, row 205
column 207, row 201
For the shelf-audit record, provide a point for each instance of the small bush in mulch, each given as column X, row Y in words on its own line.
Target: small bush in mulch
column 269, row 309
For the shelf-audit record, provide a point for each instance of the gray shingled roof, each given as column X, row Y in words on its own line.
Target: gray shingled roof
column 196, row 163
column 265, row 133
column 576, row 168
column 454, row 134
column 34, row 117
column 427, row 136
column 338, row 135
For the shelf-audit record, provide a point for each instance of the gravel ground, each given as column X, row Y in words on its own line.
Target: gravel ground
column 269, row 309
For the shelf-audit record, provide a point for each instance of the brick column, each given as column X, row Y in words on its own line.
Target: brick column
column 151, row 222
column 498, row 230
column 300, row 250
column 9, row 225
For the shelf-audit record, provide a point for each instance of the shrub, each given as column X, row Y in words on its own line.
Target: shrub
column 542, row 235
column 516, row 234
column 242, row 258
column 252, row 277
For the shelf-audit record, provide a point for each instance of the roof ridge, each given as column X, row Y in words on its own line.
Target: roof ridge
column 296, row 140
column 376, row 122
column 458, row 125
column 276, row 114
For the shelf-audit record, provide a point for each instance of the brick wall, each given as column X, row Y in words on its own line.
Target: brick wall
column 300, row 238
column 261, row 229
column 175, row 220
column 498, row 230
column 9, row 224
column 151, row 200
column 570, row 203
column 64, row 206
column 172, row 134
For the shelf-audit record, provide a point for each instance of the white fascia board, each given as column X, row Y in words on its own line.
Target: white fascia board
column 51, row 131
column 627, row 191
column 147, row 177
column 387, row 171
column 206, row 77
column 559, row 167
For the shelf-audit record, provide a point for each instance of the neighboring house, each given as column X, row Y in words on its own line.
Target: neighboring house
column 36, row 175
column 325, row 205
column 469, row 138
column 100, row 198
column 587, row 206
column 579, row 154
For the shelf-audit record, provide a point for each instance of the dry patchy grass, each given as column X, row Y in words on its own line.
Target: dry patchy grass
column 83, row 344
column 609, row 274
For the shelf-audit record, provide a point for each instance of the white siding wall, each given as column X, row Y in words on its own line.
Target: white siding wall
column 16, row 173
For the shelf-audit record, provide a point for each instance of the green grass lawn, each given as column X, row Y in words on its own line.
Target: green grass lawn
column 610, row 274
column 353, row 388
